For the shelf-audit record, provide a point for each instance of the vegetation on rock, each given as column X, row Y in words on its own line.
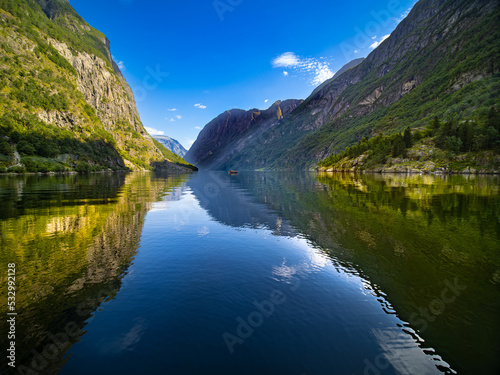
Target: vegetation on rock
column 471, row 145
column 64, row 104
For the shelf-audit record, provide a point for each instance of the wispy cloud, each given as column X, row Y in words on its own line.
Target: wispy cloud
column 319, row 68
column 376, row 44
column 405, row 13
column 172, row 119
column 287, row 59
column 189, row 143
column 265, row 101
column 197, row 127
column 201, row 106
column 120, row 64
column 153, row 131
column 172, row 109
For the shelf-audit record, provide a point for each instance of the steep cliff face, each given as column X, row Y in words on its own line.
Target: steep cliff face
column 60, row 84
column 442, row 60
column 227, row 135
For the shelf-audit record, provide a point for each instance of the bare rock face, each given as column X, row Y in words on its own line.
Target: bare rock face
column 232, row 131
column 415, row 33
column 102, row 88
column 51, row 7
column 99, row 106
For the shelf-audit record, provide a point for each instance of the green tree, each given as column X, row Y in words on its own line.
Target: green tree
column 434, row 125
column 26, row 148
column 466, row 135
column 398, row 146
column 407, row 137
column 494, row 118
column 453, row 144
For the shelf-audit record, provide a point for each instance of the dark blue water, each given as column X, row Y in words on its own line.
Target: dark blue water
column 223, row 285
column 259, row 273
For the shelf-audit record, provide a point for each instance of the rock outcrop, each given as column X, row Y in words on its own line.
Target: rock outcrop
column 58, row 56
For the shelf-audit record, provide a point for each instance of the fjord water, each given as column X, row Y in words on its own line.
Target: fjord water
column 260, row 273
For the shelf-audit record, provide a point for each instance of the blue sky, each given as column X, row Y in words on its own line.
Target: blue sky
column 188, row 61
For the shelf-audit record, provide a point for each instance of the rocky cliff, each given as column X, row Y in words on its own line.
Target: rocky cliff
column 233, row 131
column 442, row 60
column 63, row 100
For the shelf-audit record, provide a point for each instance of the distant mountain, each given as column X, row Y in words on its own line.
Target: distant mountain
column 442, row 60
column 171, row 144
column 64, row 104
column 230, row 134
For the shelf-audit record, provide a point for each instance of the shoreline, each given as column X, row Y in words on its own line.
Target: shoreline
column 411, row 171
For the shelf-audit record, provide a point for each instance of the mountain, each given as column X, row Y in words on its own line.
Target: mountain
column 349, row 65
column 64, row 103
column 171, row 144
column 230, row 134
column 442, row 60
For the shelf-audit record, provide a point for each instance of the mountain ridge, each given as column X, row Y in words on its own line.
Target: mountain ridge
column 441, row 60
column 64, row 103
column 232, row 131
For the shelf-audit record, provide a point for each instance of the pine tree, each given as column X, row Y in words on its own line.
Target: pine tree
column 407, row 138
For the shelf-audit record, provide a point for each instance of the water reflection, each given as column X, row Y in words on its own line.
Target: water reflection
column 430, row 243
column 72, row 238
column 370, row 266
column 221, row 196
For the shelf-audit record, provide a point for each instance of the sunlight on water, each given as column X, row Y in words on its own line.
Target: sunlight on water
column 257, row 273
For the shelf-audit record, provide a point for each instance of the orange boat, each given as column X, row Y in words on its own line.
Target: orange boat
column 233, row 172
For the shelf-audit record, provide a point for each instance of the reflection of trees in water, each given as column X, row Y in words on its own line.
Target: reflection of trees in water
column 407, row 235
column 71, row 252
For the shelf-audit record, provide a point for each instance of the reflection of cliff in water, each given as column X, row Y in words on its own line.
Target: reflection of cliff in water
column 71, row 253
column 410, row 236
column 221, row 196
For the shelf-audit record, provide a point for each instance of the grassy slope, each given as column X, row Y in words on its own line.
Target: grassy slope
column 173, row 158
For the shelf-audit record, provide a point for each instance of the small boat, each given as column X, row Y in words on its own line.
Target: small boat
column 233, row 172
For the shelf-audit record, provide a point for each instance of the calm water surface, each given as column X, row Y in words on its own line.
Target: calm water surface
column 260, row 273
